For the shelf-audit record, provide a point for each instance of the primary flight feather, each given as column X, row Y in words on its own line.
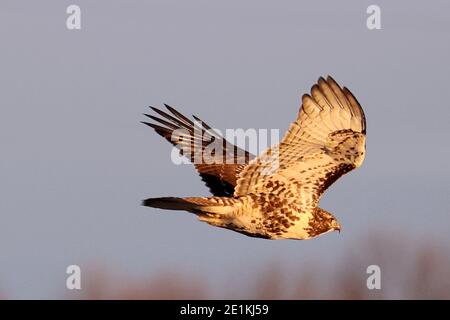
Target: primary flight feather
column 275, row 195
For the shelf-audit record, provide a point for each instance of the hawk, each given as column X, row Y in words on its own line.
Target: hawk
column 326, row 141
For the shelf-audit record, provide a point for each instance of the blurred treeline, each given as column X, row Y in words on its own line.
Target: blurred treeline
column 409, row 270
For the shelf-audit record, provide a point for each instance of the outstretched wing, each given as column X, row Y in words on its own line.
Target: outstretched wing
column 326, row 140
column 218, row 167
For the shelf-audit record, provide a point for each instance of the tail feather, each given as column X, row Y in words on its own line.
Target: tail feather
column 192, row 204
column 169, row 203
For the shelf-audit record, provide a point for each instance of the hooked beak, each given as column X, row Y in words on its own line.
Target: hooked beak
column 338, row 228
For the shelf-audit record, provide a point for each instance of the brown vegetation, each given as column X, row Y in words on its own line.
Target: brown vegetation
column 409, row 271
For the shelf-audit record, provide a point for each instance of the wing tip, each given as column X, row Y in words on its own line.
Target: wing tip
column 353, row 99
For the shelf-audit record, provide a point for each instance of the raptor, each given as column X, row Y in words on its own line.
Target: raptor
column 256, row 198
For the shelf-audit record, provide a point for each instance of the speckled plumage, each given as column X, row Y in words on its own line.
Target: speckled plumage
column 276, row 194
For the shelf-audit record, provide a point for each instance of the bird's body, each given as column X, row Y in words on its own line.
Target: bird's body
column 276, row 194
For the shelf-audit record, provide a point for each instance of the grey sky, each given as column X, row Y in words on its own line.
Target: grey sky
column 75, row 161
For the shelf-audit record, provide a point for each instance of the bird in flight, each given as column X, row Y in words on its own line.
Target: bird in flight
column 250, row 194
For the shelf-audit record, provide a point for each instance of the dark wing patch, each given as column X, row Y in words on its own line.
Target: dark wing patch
column 217, row 186
column 220, row 177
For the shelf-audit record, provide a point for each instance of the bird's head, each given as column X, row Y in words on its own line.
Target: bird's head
column 331, row 221
column 322, row 222
column 335, row 225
